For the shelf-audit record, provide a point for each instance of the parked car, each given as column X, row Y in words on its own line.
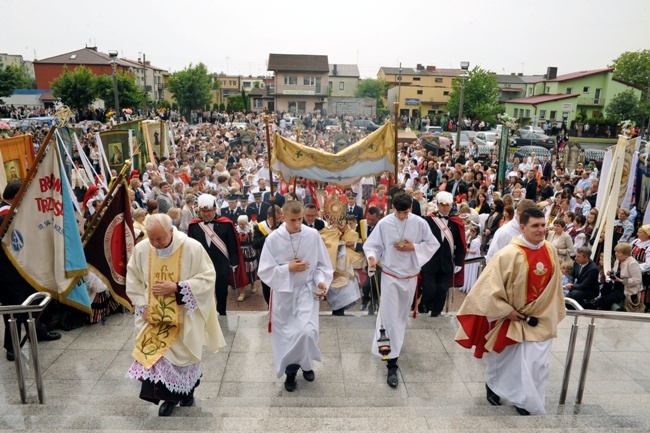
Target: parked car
column 365, row 125
column 332, row 123
column 524, row 138
column 486, row 138
column 540, row 152
column 531, row 128
column 437, row 130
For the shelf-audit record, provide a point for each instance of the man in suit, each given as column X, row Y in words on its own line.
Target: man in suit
column 454, row 184
column 256, row 211
column 584, row 276
column 371, row 287
column 218, row 237
column 531, row 186
column 310, row 217
column 432, row 174
column 233, row 211
column 353, row 207
column 448, row 259
column 415, row 205
column 279, row 198
column 547, row 168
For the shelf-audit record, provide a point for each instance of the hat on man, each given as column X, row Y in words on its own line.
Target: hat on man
column 443, row 197
column 257, row 194
column 233, row 197
column 579, row 195
column 352, row 194
column 646, row 229
column 206, row 202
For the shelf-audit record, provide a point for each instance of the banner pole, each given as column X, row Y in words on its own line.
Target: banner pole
column 30, row 176
column 97, row 216
column 267, row 119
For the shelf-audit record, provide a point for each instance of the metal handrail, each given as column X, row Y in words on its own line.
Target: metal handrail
column 593, row 314
column 29, row 309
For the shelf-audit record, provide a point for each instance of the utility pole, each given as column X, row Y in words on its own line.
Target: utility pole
column 146, row 94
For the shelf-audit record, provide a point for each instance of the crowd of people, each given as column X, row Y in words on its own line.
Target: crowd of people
column 408, row 240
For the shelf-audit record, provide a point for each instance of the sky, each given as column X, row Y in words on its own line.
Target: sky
column 236, row 37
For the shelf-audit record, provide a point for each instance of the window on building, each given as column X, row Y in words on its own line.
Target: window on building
column 585, row 90
column 341, row 85
column 309, row 81
column 553, row 115
column 542, row 114
column 527, row 113
column 329, row 85
column 597, row 96
column 247, row 84
column 530, row 91
column 516, row 112
column 290, row 80
column 232, row 82
column 445, row 93
column 416, row 78
column 297, row 106
column 223, row 82
column 258, row 103
column 569, row 90
column 548, row 89
column 438, row 80
column 419, row 92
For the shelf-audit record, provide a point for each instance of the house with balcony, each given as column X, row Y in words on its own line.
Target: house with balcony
column 421, row 89
column 300, row 84
column 560, row 98
column 149, row 78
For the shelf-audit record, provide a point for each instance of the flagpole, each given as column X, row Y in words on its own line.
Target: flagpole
column 93, row 222
column 393, row 191
column 30, row 176
column 267, row 119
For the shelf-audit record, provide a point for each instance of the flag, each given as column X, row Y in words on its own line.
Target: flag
column 110, row 245
column 42, row 240
column 370, row 156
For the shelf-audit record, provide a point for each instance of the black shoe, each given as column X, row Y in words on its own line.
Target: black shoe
column 392, row 378
column 309, row 375
column 339, row 312
column 11, row 356
column 363, row 305
column 434, row 314
column 371, row 310
column 422, row 309
column 48, row 336
column 187, row 402
column 290, row 382
column 522, row 411
column 492, row 398
column 167, row 408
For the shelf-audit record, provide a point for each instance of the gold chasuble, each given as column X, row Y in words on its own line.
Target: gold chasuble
column 164, row 315
column 517, row 278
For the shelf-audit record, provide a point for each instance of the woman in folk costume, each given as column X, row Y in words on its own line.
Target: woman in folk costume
column 170, row 280
column 294, row 263
column 521, row 282
column 473, row 251
column 245, row 235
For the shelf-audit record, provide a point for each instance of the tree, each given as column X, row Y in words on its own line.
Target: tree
column 625, row 106
column 237, row 103
column 128, row 91
column 371, row 88
column 633, row 67
column 75, row 89
column 481, row 100
column 11, row 78
column 191, row 88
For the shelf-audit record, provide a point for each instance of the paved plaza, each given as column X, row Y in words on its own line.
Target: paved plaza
column 441, row 389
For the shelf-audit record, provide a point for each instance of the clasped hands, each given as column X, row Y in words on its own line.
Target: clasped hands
column 160, row 288
column 407, row 246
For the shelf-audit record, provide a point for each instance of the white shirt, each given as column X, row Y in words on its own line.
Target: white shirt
column 502, row 237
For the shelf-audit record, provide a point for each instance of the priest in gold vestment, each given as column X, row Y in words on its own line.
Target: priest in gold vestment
column 170, row 280
column 512, row 312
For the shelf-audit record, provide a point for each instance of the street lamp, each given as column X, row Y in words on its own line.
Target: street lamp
column 113, row 56
column 144, row 71
column 464, row 66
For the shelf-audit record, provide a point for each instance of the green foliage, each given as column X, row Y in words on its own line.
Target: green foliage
column 625, row 106
column 9, row 81
column 128, row 91
column 222, row 107
column 175, row 106
column 191, row 88
column 371, row 88
column 237, row 103
column 75, row 89
column 481, row 99
column 633, row 67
